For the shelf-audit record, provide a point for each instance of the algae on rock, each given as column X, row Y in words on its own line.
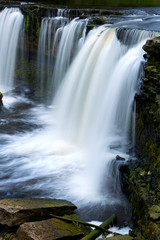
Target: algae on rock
column 143, row 177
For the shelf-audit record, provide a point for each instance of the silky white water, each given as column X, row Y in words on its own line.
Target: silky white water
column 72, row 39
column 11, row 21
column 71, row 149
column 94, row 111
column 46, row 49
column 59, row 41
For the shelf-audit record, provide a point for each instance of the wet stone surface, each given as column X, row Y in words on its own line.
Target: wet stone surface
column 17, row 211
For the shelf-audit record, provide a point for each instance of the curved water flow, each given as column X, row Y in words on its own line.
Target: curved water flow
column 11, row 21
column 59, row 41
column 72, row 39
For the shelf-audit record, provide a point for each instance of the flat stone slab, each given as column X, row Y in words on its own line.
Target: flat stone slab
column 18, row 211
column 123, row 237
column 50, row 229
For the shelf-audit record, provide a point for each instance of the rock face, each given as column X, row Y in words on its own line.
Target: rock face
column 143, row 178
column 17, row 211
column 32, row 219
column 148, row 107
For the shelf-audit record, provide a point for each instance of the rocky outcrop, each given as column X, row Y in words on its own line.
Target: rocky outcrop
column 142, row 179
column 148, row 107
column 32, row 219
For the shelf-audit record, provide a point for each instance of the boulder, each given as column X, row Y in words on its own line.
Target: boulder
column 50, row 229
column 18, row 211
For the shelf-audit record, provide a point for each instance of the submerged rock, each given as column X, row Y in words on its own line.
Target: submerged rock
column 18, row 211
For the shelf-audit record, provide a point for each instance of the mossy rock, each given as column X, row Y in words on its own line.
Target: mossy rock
column 51, row 229
column 123, row 237
column 144, row 179
column 98, row 20
column 152, row 47
column 154, row 212
column 18, row 211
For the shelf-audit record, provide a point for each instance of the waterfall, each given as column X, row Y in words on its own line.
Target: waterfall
column 11, row 21
column 46, row 49
column 72, row 39
column 94, row 108
column 80, row 140
column 59, row 41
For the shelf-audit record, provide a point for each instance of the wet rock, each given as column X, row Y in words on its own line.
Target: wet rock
column 154, row 212
column 49, row 230
column 152, row 47
column 119, row 158
column 17, row 211
column 97, row 20
column 1, row 96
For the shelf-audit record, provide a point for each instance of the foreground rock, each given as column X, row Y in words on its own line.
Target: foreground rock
column 50, row 230
column 37, row 219
column 17, row 211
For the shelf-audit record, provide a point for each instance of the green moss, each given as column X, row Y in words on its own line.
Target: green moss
column 154, row 212
column 144, row 184
column 151, row 69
